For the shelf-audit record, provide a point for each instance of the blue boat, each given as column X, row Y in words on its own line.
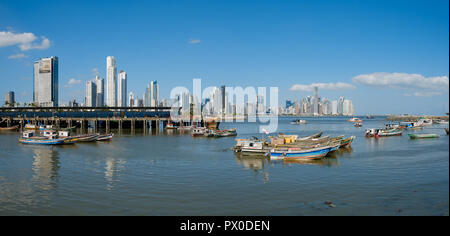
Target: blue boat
column 42, row 141
column 298, row 153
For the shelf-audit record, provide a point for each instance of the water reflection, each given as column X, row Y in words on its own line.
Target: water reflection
column 252, row 162
column 45, row 167
column 326, row 162
column 113, row 167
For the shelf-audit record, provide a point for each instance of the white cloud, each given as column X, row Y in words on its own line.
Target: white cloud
column 402, row 81
column 72, row 82
column 195, row 41
column 426, row 94
column 18, row 56
column 322, row 86
column 25, row 41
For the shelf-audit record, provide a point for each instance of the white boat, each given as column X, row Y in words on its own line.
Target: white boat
column 198, row 131
column 298, row 122
column 31, row 126
column 253, row 147
column 441, row 121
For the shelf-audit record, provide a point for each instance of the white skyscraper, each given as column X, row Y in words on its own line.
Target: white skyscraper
column 122, row 90
column 45, row 86
column 91, row 94
column 347, row 108
column 334, row 107
column 154, row 93
column 111, row 81
column 100, row 83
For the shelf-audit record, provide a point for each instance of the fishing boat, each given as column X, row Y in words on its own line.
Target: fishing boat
column 298, row 122
column 198, row 131
column 419, row 136
column 45, row 127
column 382, row 132
column 347, row 142
column 313, row 136
column 440, row 121
column 79, row 138
column 171, row 126
column 394, row 126
column 358, row 124
column 225, row 133
column 369, row 117
column 300, row 153
column 29, row 138
column 425, row 121
column 252, row 147
column 354, row 119
column 105, row 137
column 12, row 128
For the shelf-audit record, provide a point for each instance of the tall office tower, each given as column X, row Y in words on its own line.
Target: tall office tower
column 334, row 107
column 223, row 93
column 315, row 104
column 131, row 100
column 340, row 108
column 348, row 108
column 45, row 86
column 91, row 94
column 122, row 89
column 100, row 83
column 111, row 82
column 9, row 99
column 153, row 93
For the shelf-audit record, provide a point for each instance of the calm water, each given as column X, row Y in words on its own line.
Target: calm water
column 175, row 174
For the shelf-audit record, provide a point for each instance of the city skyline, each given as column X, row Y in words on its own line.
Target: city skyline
column 392, row 61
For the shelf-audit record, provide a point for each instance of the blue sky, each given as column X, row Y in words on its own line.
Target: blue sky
column 239, row 43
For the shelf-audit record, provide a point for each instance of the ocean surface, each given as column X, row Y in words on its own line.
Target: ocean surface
column 172, row 173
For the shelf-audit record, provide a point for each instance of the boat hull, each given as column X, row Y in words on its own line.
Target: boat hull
column 301, row 154
column 43, row 141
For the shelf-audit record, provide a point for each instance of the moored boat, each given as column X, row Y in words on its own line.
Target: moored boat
column 11, row 128
column 347, row 142
column 225, row 133
column 300, row 153
column 358, row 124
column 198, row 131
column 171, row 126
column 382, row 132
column 31, row 127
column 420, row 136
column 105, row 137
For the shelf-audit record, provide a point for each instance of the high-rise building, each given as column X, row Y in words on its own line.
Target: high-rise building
column 111, row 82
column 154, row 93
column 131, row 100
column 91, row 94
column 99, row 82
column 45, row 85
column 340, row 108
column 9, row 99
column 334, row 107
column 122, row 89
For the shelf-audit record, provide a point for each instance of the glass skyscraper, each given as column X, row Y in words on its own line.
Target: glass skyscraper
column 45, row 82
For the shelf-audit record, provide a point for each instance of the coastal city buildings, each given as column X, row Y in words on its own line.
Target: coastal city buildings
column 111, row 82
column 317, row 106
column 45, row 82
column 9, row 99
column 151, row 94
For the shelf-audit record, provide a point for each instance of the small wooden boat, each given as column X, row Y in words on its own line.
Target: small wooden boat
column 382, row 132
column 440, row 121
column 347, row 142
column 185, row 127
column 198, row 131
column 420, row 136
column 29, row 138
column 171, row 126
column 298, row 122
column 313, row 136
column 105, row 137
column 299, row 153
column 252, row 147
column 225, row 133
column 358, row 124
column 12, row 128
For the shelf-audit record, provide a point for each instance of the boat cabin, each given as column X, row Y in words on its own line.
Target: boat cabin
column 51, row 134
column 28, row 134
column 64, row 133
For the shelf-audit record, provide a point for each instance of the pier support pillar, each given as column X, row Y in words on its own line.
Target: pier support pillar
column 132, row 125
column 107, row 125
